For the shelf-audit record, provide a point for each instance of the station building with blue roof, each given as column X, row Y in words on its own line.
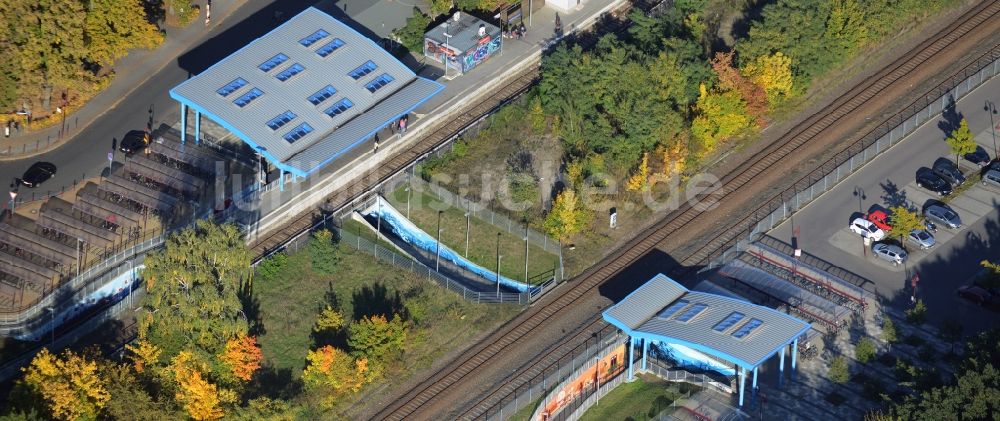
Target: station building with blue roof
column 305, row 93
column 736, row 331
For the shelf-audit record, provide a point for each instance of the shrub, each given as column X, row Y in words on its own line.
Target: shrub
column 272, row 267
column 323, row 252
column 918, row 314
column 889, row 331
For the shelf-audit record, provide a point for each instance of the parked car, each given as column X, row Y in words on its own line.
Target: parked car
column 134, row 141
column 979, row 158
column 980, row 296
column 921, row 238
column 949, row 172
column 943, row 216
column 991, row 178
column 890, row 253
column 928, row 179
column 880, row 219
column 38, row 173
column 867, row 229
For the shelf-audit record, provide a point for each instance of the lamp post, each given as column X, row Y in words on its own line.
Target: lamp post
column 13, row 196
column 378, row 225
column 408, row 193
column 131, row 280
column 468, row 225
column 525, row 252
column 52, row 312
column 78, row 241
column 447, row 47
column 860, row 194
column 498, row 263
column 991, row 108
column 437, row 247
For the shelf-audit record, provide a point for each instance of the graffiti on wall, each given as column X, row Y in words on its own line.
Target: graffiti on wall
column 605, row 369
column 439, row 52
column 486, row 47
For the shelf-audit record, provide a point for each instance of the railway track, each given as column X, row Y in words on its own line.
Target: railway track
column 418, row 399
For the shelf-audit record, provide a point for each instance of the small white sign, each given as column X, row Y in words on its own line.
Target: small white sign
column 614, row 220
column 111, row 156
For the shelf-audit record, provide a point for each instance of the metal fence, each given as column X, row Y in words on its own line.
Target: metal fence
column 483, row 213
column 843, row 164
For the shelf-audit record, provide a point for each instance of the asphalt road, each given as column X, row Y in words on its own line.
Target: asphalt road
column 889, row 180
column 85, row 155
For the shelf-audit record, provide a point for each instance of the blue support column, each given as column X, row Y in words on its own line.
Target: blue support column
column 281, row 182
column 753, row 390
column 795, row 351
column 197, row 127
column 645, row 350
column 742, row 378
column 631, row 353
column 183, row 123
column 781, row 366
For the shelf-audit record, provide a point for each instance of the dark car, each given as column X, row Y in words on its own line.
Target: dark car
column 928, row 179
column 134, row 141
column 38, row 173
column 980, row 296
column 980, row 158
column 949, row 172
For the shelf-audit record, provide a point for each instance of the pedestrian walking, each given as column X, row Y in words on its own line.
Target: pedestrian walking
column 376, row 145
column 6, row 131
column 392, row 127
column 402, row 125
column 521, row 29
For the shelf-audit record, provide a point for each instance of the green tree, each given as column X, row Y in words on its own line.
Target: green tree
column 323, row 252
column 411, row 35
column 918, row 314
column 951, row 330
column 904, row 220
column 889, row 334
column 377, row 338
column 113, row 27
column 838, row 371
column 272, row 267
column 192, row 290
column 48, row 38
column 864, row 351
column 961, row 140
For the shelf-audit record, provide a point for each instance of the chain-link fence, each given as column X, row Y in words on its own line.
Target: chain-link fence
column 843, row 164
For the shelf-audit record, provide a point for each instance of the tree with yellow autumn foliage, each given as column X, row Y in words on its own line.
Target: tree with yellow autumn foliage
column 200, row 398
column 242, row 356
column 673, row 158
column 718, row 116
column 143, row 354
column 69, row 385
column 566, row 217
column 333, row 374
column 639, row 181
column 773, row 73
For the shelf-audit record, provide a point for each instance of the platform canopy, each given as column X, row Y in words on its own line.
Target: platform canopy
column 307, row 92
column 730, row 329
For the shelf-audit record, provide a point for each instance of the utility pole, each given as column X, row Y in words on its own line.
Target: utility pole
column 498, row 264
column 991, row 108
column 525, row 252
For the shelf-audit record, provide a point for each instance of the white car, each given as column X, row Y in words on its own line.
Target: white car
column 867, row 229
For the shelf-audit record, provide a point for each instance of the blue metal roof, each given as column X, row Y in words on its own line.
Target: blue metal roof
column 734, row 330
column 287, row 72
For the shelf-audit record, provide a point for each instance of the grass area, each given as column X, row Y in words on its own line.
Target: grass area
column 362, row 230
column 641, row 399
column 524, row 414
column 288, row 304
column 482, row 236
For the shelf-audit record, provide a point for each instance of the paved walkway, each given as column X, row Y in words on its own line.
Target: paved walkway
column 130, row 72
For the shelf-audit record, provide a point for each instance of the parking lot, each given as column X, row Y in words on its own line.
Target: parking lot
column 888, row 181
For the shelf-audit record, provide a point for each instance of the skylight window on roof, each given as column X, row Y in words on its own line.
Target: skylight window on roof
column 275, row 61
column 289, row 72
column 311, row 39
column 330, row 47
column 232, row 87
column 379, row 82
column 248, row 97
column 338, row 108
column 322, row 95
column 728, row 322
column 298, row 132
column 747, row 328
column 689, row 314
column 281, row 120
column 363, row 70
column 671, row 309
